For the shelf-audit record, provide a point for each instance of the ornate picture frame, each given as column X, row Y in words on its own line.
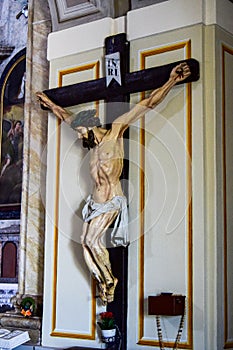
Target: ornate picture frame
column 12, row 95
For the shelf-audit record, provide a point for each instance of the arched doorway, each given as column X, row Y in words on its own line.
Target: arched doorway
column 9, row 261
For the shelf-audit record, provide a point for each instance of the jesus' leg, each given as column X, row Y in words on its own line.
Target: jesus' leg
column 93, row 267
column 96, row 255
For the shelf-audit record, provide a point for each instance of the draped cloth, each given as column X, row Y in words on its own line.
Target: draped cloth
column 119, row 234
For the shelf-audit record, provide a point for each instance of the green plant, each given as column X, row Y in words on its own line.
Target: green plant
column 107, row 320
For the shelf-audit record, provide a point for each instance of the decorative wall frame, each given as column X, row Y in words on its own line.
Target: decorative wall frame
column 12, row 87
column 69, row 13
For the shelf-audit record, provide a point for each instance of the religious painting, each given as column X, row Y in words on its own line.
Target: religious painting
column 12, row 89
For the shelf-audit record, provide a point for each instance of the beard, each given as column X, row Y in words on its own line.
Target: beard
column 89, row 142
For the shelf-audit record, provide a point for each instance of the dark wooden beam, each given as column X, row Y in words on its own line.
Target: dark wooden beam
column 95, row 90
column 117, row 105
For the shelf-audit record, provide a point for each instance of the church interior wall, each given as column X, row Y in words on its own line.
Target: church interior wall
column 200, row 291
column 205, row 258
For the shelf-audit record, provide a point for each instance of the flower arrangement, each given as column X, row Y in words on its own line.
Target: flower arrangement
column 107, row 320
column 27, row 306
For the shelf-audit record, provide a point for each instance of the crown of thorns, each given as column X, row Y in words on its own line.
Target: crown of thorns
column 85, row 118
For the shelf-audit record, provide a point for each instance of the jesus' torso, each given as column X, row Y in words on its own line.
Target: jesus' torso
column 106, row 163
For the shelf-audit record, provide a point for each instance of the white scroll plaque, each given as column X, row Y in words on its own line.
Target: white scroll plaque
column 113, row 71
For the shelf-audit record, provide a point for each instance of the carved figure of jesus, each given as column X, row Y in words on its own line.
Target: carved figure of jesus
column 107, row 202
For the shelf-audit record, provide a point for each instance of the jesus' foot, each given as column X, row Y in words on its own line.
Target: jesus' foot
column 111, row 290
column 103, row 293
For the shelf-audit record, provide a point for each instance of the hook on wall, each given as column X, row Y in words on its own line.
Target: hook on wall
column 23, row 12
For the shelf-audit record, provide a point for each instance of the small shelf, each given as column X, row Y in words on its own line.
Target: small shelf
column 166, row 304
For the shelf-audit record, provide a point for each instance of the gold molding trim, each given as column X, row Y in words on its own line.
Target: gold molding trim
column 186, row 45
column 95, row 66
column 55, row 333
column 225, row 49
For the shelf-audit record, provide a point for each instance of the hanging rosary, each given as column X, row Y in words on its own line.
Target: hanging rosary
column 160, row 335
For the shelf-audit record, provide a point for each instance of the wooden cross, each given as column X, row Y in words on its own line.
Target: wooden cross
column 95, row 90
column 143, row 80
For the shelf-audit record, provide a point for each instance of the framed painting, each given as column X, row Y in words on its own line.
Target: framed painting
column 12, row 90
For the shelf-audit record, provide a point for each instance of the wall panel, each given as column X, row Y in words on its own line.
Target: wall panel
column 161, row 253
column 72, row 290
column 227, row 128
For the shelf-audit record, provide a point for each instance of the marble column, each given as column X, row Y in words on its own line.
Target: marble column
column 32, row 216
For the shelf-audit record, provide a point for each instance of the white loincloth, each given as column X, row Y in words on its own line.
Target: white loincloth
column 119, row 234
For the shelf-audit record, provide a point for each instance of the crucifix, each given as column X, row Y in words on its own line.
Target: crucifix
column 107, row 202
